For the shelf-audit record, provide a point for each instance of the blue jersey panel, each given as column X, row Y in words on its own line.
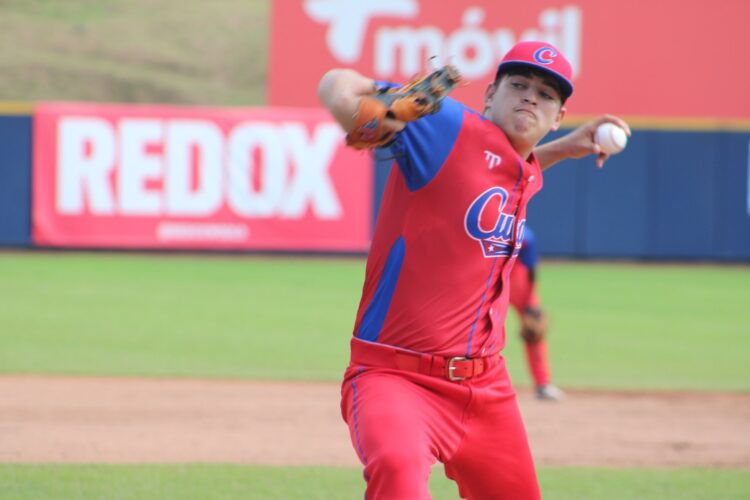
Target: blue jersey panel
column 420, row 150
column 529, row 254
column 374, row 316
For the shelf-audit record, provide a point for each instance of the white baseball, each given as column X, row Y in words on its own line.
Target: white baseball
column 611, row 138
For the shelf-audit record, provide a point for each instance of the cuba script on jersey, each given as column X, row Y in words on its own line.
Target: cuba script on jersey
column 498, row 240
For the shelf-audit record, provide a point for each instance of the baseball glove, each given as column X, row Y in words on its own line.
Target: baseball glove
column 418, row 98
column 533, row 325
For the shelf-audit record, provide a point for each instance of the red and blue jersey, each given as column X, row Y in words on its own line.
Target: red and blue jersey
column 451, row 224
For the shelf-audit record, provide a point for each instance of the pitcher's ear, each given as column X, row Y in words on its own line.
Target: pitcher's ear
column 489, row 93
column 559, row 119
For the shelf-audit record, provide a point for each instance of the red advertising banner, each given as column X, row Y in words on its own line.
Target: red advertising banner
column 665, row 58
column 196, row 178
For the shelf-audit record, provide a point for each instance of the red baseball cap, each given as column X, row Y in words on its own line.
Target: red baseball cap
column 543, row 56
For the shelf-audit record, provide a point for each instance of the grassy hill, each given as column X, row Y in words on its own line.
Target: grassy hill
column 166, row 51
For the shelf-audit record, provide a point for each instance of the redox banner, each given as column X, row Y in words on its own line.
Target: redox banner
column 197, row 178
column 651, row 59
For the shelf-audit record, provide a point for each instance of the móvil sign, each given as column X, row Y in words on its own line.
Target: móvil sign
column 658, row 59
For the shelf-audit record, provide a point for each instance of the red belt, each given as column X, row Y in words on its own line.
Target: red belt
column 453, row 368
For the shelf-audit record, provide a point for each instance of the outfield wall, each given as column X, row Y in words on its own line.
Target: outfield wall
column 672, row 194
column 680, row 190
column 15, row 180
column 668, row 195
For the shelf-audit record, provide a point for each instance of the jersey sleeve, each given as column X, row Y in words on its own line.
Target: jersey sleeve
column 420, row 150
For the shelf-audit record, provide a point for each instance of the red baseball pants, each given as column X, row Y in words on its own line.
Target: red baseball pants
column 401, row 422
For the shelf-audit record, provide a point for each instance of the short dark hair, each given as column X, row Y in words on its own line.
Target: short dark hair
column 528, row 72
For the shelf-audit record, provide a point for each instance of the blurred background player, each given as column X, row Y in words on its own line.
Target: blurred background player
column 531, row 316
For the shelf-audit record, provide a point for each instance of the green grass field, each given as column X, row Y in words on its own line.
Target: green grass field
column 614, row 326
column 225, row 482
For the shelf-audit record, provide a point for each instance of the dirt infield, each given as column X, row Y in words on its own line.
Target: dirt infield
column 126, row 420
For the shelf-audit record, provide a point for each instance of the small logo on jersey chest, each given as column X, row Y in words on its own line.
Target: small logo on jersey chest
column 492, row 159
column 494, row 230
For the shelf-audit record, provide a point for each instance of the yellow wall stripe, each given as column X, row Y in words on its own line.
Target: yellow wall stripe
column 693, row 124
column 16, row 108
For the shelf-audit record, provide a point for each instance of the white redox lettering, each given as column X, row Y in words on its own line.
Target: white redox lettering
column 183, row 138
column 310, row 182
column 137, row 166
column 269, row 169
column 242, row 196
column 81, row 172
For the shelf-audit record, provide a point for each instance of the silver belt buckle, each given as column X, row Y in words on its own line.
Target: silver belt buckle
column 451, row 377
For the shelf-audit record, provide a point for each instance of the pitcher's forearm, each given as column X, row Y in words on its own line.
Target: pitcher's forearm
column 340, row 91
column 551, row 153
column 577, row 144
